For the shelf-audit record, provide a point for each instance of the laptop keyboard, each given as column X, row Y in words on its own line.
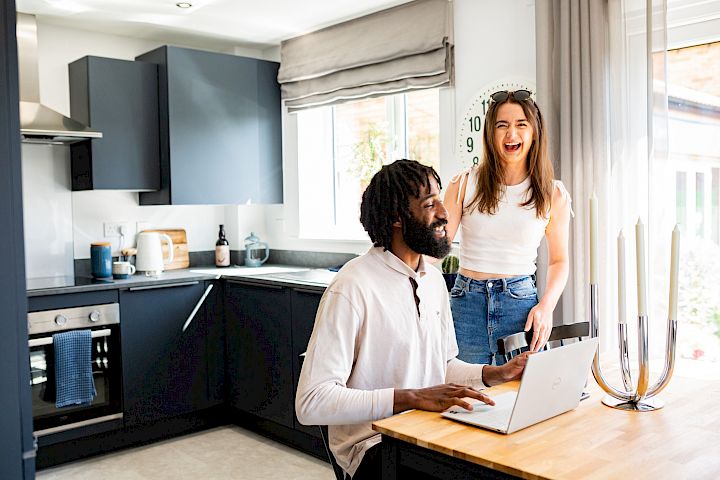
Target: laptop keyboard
column 497, row 416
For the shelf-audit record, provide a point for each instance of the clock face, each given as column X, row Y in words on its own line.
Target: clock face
column 470, row 131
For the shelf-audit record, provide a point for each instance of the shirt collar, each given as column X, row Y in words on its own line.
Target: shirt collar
column 393, row 262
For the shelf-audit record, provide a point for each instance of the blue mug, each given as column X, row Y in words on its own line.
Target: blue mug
column 100, row 260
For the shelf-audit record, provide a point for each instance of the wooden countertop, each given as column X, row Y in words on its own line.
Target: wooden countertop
column 681, row 440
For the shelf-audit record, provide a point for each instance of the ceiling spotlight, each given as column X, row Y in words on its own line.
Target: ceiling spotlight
column 183, row 4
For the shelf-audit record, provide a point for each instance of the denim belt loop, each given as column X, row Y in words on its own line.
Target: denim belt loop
column 504, row 282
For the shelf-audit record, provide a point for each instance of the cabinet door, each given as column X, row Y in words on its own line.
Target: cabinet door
column 259, row 350
column 120, row 99
column 304, row 307
column 164, row 368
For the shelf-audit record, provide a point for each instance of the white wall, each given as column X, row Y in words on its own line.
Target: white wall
column 493, row 39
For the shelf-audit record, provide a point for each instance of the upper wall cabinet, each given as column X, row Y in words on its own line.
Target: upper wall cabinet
column 120, row 99
column 220, row 130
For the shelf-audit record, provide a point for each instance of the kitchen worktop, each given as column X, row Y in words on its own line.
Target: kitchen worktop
column 267, row 274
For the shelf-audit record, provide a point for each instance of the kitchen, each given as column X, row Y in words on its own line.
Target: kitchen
column 81, row 217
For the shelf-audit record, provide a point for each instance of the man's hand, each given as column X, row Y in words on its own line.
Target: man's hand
column 437, row 398
column 512, row 370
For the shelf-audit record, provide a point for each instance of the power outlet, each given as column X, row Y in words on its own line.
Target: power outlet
column 115, row 229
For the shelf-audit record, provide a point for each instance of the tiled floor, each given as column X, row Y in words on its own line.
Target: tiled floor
column 224, row 453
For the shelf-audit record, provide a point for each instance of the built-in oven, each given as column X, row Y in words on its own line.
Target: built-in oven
column 103, row 321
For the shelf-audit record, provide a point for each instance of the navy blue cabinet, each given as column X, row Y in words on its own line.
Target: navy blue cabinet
column 305, row 302
column 16, row 442
column 120, row 99
column 165, row 370
column 259, row 350
column 220, row 129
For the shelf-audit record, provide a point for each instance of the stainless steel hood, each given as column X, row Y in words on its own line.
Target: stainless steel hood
column 38, row 123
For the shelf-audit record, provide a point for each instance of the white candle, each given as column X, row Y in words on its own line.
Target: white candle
column 640, row 256
column 621, row 278
column 674, row 265
column 593, row 240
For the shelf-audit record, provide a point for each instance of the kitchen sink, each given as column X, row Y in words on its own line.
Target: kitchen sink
column 247, row 271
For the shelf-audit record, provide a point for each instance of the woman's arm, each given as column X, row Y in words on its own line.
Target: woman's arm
column 557, row 234
column 454, row 204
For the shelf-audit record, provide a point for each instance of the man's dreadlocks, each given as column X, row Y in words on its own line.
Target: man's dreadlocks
column 387, row 198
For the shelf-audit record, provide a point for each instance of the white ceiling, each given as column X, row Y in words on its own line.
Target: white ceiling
column 217, row 24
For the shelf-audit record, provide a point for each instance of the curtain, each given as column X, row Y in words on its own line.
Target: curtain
column 600, row 77
column 571, row 39
column 392, row 51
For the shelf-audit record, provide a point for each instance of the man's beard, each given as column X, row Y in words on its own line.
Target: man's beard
column 421, row 238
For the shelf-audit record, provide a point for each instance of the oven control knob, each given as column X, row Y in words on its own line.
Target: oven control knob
column 94, row 316
column 60, row 320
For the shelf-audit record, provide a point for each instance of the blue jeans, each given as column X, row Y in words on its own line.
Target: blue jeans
column 486, row 310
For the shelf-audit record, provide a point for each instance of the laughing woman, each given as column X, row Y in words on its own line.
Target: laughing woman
column 505, row 206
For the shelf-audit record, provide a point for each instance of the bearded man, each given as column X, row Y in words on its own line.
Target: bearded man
column 383, row 340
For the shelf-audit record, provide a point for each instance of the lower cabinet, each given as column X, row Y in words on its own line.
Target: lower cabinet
column 259, row 350
column 165, row 369
column 304, row 307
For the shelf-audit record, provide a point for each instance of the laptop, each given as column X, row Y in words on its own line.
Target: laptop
column 551, row 384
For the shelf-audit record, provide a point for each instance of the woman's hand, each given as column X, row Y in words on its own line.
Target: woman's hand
column 540, row 319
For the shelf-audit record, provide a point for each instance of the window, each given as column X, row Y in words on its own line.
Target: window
column 341, row 147
column 694, row 152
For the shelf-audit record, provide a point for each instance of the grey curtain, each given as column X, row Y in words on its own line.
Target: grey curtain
column 395, row 50
column 571, row 43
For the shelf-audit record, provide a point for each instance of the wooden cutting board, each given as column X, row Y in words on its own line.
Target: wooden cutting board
column 181, row 253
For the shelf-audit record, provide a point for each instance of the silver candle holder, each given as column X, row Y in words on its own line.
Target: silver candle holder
column 640, row 397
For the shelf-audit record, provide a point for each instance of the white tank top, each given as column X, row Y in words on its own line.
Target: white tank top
column 506, row 242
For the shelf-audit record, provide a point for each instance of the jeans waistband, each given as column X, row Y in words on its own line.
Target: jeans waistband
column 491, row 284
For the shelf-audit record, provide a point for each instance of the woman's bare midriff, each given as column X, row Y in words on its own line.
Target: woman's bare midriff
column 482, row 275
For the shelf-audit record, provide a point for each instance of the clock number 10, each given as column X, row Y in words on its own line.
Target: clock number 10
column 475, row 123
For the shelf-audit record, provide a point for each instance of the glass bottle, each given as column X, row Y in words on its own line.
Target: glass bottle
column 222, row 249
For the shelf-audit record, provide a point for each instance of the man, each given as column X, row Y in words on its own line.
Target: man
column 383, row 340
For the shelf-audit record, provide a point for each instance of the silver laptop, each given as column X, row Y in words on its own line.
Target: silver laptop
column 551, row 384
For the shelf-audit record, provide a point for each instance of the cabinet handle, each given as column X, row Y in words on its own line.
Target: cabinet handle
column 39, row 342
column 256, row 284
column 197, row 307
column 165, row 285
column 310, row 290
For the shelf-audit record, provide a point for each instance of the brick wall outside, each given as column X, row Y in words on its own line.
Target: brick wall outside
column 697, row 68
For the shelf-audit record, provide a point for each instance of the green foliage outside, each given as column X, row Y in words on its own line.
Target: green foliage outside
column 369, row 154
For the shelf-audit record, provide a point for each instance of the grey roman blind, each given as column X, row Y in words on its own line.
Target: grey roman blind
column 392, row 51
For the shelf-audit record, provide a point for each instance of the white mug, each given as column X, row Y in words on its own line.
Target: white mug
column 122, row 270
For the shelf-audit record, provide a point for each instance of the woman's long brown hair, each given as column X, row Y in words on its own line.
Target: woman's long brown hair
column 490, row 179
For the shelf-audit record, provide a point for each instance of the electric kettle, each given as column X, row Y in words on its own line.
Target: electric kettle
column 149, row 257
column 256, row 252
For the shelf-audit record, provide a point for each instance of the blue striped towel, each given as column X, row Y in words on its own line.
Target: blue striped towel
column 73, row 368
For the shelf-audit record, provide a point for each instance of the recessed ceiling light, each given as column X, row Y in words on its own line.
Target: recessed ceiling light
column 183, row 4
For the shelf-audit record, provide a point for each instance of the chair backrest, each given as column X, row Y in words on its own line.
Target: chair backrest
column 514, row 344
column 339, row 473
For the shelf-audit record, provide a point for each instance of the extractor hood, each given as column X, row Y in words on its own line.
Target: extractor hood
column 38, row 123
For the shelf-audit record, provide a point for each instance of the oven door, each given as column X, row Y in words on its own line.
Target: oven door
column 106, row 368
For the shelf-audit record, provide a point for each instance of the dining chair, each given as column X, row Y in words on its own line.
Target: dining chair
column 516, row 343
column 339, row 473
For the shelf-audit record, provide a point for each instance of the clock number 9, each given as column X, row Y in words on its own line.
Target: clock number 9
column 470, row 144
column 475, row 122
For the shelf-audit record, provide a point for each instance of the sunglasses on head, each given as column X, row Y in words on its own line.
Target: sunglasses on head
column 519, row 95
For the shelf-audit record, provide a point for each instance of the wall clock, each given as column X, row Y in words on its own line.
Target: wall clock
column 470, row 131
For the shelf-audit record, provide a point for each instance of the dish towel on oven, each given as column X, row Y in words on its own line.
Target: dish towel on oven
column 73, row 368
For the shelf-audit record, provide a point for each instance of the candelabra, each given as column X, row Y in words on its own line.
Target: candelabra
column 641, row 398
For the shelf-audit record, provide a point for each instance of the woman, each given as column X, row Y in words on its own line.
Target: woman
column 505, row 206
